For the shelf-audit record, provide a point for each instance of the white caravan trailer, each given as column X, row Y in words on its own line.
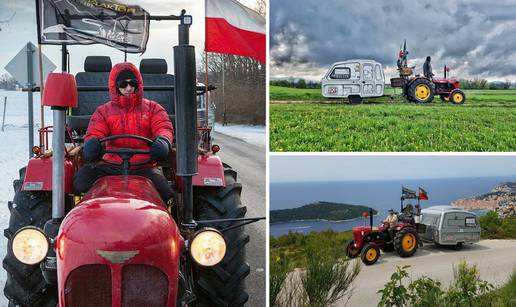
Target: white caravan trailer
column 354, row 79
column 447, row 225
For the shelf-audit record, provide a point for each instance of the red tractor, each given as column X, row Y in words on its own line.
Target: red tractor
column 368, row 240
column 119, row 244
column 421, row 89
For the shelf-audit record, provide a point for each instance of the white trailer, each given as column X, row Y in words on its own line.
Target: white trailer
column 354, row 79
column 446, row 225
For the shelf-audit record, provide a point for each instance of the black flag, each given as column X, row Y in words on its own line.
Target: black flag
column 71, row 22
column 408, row 193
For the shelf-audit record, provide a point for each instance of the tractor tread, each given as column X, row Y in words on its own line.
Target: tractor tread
column 223, row 284
column 398, row 247
column 25, row 285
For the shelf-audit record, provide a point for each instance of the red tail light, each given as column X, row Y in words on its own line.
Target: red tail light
column 89, row 285
column 143, row 285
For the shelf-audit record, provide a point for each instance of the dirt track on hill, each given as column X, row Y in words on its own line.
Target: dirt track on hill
column 495, row 259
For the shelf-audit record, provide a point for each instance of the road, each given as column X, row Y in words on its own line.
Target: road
column 495, row 260
column 249, row 161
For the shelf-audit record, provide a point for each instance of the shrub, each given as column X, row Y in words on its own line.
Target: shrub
column 326, row 281
column 466, row 290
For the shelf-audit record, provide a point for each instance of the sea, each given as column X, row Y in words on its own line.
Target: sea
column 380, row 195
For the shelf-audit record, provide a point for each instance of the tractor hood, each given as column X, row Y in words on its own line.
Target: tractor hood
column 122, row 234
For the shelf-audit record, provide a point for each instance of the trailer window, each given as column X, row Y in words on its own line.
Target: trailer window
column 471, row 221
column 341, row 73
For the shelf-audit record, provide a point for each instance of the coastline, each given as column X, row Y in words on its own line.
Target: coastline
column 319, row 220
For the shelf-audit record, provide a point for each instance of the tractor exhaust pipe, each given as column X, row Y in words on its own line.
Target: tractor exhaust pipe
column 186, row 118
column 445, row 68
column 371, row 218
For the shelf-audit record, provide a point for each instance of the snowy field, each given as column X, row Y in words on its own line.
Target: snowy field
column 15, row 151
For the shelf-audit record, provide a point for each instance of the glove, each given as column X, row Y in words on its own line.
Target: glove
column 159, row 149
column 93, row 150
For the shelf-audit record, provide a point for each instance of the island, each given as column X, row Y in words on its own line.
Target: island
column 321, row 210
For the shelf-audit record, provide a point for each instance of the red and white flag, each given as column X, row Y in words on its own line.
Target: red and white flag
column 232, row 28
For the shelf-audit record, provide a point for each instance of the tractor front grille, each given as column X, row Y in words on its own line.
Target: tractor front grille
column 89, row 285
column 143, row 285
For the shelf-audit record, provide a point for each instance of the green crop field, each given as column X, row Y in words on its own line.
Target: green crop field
column 303, row 120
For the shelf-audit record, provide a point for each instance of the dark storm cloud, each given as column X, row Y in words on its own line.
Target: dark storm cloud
column 477, row 38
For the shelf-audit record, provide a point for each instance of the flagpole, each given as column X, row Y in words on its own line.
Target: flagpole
column 40, row 59
column 206, row 95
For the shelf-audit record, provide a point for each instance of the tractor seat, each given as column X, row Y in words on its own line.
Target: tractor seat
column 96, row 73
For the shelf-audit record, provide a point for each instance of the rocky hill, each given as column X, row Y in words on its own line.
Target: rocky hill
column 320, row 210
column 502, row 199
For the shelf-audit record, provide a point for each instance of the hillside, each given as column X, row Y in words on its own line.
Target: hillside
column 502, row 198
column 321, row 210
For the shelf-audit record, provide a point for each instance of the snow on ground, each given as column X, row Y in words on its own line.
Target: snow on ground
column 251, row 134
column 14, row 152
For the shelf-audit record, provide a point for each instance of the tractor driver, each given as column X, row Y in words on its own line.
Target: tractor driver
column 427, row 68
column 127, row 113
column 391, row 220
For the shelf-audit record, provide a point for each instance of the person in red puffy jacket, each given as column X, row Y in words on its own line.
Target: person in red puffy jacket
column 127, row 113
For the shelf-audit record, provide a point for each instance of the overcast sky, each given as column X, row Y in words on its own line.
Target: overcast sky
column 476, row 38
column 163, row 34
column 352, row 168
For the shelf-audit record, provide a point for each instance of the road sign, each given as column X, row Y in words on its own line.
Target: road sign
column 19, row 65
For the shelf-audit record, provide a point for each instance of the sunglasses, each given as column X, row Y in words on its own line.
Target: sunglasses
column 125, row 83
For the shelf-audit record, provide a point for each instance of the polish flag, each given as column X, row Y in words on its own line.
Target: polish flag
column 232, row 28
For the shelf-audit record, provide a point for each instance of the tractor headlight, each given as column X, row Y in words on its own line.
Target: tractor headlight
column 208, row 247
column 30, row 245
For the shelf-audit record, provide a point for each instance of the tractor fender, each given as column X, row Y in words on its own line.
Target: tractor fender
column 210, row 172
column 118, row 233
column 38, row 175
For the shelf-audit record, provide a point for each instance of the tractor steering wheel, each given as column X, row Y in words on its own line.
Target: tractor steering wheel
column 127, row 153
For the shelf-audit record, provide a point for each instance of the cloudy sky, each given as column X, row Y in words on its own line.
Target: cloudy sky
column 393, row 167
column 163, row 34
column 476, row 38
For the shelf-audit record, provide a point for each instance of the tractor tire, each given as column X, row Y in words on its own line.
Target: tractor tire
column 351, row 252
column 406, row 242
column 223, row 284
column 421, row 91
column 445, row 98
column 457, row 97
column 25, row 285
column 370, row 254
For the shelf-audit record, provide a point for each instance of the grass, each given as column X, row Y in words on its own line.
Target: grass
column 487, row 122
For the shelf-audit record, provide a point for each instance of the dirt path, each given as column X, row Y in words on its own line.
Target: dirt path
column 496, row 259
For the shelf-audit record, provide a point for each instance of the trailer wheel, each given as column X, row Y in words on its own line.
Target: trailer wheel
column 25, row 285
column 223, row 284
column 370, row 254
column 351, row 251
column 457, row 97
column 406, row 242
column 458, row 246
column 421, row 90
column 354, row 99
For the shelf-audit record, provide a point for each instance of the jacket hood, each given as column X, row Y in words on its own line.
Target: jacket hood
column 136, row 98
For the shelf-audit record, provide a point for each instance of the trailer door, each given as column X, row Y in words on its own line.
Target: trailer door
column 368, row 80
